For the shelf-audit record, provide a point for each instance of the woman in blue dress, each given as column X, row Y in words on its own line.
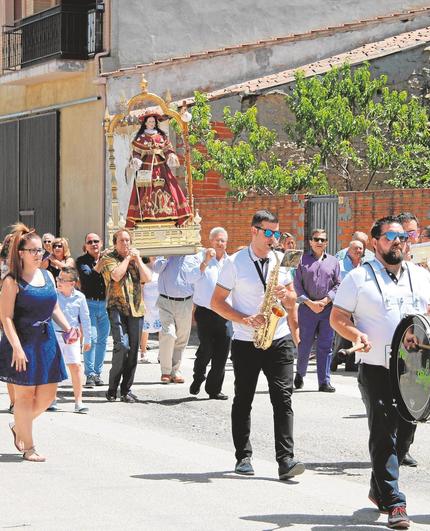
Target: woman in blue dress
column 30, row 357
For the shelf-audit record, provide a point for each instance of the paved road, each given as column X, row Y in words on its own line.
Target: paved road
column 166, row 464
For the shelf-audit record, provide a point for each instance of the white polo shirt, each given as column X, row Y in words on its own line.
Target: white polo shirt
column 205, row 285
column 379, row 305
column 239, row 275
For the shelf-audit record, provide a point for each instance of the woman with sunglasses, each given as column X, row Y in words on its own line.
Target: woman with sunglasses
column 59, row 258
column 30, row 357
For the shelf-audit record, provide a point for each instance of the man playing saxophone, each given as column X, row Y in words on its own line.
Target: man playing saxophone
column 243, row 279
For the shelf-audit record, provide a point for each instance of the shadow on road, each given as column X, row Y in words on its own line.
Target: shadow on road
column 10, row 458
column 362, row 520
column 207, row 477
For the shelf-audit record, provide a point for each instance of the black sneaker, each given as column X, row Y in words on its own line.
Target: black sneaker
column 244, row 467
column 195, row 388
column 290, row 468
column 408, row 460
column 109, row 397
column 326, row 388
column 398, row 518
column 90, row 383
column 129, row 398
column 97, row 380
column 298, row 381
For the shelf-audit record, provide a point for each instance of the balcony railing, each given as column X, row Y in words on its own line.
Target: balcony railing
column 67, row 31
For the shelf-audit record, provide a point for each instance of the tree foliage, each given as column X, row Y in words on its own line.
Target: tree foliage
column 248, row 162
column 357, row 125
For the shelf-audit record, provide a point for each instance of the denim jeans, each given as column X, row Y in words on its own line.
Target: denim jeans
column 100, row 328
column 386, row 452
column 126, row 333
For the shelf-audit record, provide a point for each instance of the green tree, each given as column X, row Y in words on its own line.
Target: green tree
column 360, row 128
column 248, row 162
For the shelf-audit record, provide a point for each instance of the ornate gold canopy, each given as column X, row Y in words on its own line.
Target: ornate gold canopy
column 151, row 238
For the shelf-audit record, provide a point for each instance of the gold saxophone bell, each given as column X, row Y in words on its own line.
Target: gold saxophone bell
column 272, row 310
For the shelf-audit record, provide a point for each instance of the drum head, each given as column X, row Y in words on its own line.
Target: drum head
column 410, row 367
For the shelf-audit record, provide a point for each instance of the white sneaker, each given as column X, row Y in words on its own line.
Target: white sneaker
column 80, row 408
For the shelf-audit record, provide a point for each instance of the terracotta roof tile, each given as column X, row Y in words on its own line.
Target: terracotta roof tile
column 368, row 51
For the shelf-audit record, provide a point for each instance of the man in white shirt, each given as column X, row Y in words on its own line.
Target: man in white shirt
column 243, row 278
column 212, row 329
column 378, row 295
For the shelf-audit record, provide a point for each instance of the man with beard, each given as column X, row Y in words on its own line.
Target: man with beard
column 377, row 295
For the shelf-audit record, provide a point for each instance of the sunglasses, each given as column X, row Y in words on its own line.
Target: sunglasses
column 63, row 280
column 90, row 242
column 47, row 241
column 391, row 235
column 269, row 233
column 57, row 246
column 34, row 252
column 319, row 240
column 413, row 233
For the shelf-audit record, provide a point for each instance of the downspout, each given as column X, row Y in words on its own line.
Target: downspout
column 101, row 82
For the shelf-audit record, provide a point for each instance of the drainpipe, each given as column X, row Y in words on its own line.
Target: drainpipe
column 101, row 82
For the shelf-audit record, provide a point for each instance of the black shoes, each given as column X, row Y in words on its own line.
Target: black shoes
column 97, row 380
column 244, row 467
column 90, row 383
column 130, row 398
column 290, row 468
column 218, row 396
column 376, row 501
column 398, row 518
column 326, row 388
column 408, row 460
column 109, row 397
column 195, row 388
column 298, row 381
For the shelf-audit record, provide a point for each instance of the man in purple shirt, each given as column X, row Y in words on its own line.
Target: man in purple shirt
column 316, row 282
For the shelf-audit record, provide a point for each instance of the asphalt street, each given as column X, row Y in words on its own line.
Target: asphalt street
column 166, row 463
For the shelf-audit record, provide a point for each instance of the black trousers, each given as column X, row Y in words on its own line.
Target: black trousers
column 389, row 435
column 214, row 347
column 277, row 365
column 126, row 331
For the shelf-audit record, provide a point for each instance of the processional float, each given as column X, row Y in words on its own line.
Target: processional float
column 157, row 228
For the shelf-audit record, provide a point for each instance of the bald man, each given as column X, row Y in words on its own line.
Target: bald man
column 363, row 238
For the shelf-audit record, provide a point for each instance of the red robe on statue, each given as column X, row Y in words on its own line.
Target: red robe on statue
column 162, row 199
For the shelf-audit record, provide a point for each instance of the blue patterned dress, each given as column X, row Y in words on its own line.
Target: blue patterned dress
column 32, row 320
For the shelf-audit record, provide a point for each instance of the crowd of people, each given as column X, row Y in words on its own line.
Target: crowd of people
column 55, row 311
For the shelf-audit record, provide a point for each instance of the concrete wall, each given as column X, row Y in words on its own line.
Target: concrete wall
column 81, row 168
column 144, row 31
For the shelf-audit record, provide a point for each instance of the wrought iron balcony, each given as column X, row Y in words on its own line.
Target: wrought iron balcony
column 72, row 30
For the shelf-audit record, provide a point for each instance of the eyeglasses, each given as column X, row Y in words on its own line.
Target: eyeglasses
column 57, row 245
column 47, row 241
column 269, row 233
column 90, row 242
column 391, row 235
column 34, row 252
column 63, row 280
column 319, row 240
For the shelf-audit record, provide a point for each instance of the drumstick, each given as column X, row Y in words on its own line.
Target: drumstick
column 354, row 348
column 421, row 345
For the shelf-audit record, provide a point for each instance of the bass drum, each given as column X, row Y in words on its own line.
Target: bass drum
column 410, row 367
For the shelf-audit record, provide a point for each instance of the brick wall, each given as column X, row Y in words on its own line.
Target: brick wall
column 357, row 210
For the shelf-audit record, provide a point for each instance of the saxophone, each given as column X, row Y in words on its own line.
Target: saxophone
column 272, row 310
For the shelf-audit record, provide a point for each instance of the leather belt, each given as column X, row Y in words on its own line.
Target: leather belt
column 175, row 298
column 95, row 299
